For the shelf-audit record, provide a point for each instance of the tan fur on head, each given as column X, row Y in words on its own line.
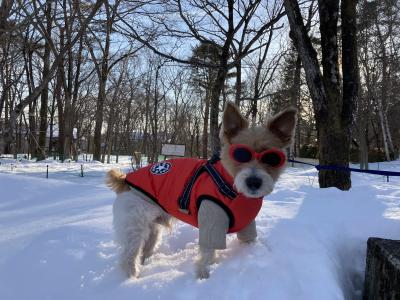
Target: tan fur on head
column 282, row 125
column 277, row 132
column 232, row 122
column 116, row 181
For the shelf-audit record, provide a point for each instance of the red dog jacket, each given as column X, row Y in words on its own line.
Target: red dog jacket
column 179, row 185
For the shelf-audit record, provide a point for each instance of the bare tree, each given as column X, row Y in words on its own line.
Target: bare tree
column 221, row 24
column 31, row 14
column 333, row 110
column 45, row 93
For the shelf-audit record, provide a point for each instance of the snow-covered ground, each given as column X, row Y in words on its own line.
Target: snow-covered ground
column 56, row 239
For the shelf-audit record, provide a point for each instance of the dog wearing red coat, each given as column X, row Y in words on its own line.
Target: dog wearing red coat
column 218, row 196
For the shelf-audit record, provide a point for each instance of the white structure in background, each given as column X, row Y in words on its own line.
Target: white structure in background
column 173, row 150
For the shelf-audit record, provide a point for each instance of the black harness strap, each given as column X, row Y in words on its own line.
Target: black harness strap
column 184, row 199
column 223, row 187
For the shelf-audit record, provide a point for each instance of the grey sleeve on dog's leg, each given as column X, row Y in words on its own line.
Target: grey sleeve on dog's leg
column 249, row 233
column 213, row 225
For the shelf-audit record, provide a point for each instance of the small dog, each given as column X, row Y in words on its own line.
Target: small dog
column 147, row 200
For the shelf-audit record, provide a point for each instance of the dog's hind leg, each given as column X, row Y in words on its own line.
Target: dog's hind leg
column 132, row 249
column 152, row 241
column 131, row 221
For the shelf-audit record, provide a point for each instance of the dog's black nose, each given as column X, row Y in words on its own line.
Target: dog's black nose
column 253, row 182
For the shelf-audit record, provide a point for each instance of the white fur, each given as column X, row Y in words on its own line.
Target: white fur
column 207, row 258
column 137, row 221
column 266, row 187
column 137, row 224
column 136, row 229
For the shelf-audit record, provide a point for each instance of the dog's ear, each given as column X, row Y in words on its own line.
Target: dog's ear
column 282, row 124
column 232, row 121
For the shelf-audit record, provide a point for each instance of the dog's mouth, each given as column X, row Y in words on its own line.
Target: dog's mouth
column 254, row 183
column 253, row 193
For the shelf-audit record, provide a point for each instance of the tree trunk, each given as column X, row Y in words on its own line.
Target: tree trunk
column 32, row 130
column 333, row 113
column 45, row 92
column 205, row 126
column 60, row 111
column 155, row 117
column 75, row 92
column 51, row 124
column 389, row 135
column 216, row 90
column 99, row 120
column 109, row 135
column 219, row 83
column 127, row 141
column 145, row 148
column 197, row 139
column 5, row 95
column 6, row 78
column 238, row 84
column 5, row 11
column 381, row 107
column 384, row 133
column 102, row 94
column 363, row 151
column 363, row 112
column 68, row 107
column 295, row 101
column 383, row 101
column 19, row 141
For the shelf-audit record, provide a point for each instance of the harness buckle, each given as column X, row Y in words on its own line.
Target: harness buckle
column 184, row 211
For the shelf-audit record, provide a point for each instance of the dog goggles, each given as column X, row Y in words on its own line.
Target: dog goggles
column 243, row 154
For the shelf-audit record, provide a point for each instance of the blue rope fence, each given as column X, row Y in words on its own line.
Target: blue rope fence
column 347, row 169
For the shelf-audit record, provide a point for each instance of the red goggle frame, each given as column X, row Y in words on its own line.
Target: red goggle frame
column 242, row 154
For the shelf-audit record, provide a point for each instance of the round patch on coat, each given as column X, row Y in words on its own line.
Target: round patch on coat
column 160, row 168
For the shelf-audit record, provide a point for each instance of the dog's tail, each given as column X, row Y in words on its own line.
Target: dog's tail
column 116, row 181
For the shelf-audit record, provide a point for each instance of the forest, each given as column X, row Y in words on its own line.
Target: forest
column 124, row 77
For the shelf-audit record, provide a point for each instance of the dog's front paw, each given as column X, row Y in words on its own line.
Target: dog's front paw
column 207, row 257
column 202, row 272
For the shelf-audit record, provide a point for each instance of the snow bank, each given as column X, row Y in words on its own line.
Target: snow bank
column 56, row 242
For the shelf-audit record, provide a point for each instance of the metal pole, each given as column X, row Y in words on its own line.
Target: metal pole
column 47, row 171
column 81, row 170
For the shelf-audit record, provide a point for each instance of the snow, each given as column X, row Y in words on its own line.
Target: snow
column 56, row 239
